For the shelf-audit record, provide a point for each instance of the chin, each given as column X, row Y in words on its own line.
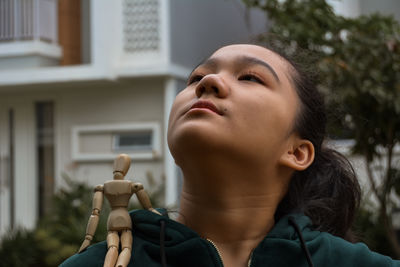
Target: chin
column 193, row 138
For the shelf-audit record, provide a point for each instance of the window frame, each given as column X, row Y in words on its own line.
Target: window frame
column 154, row 153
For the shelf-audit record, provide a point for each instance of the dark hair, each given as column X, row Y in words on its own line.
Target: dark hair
column 328, row 190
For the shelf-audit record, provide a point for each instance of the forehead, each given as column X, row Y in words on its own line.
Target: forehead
column 244, row 49
column 231, row 53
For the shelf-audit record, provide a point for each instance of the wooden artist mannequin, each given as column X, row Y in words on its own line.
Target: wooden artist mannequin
column 119, row 225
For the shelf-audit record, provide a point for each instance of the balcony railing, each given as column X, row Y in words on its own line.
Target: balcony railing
column 28, row 20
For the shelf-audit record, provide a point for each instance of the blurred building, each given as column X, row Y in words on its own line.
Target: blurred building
column 84, row 80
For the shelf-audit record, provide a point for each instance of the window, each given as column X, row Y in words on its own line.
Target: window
column 133, row 141
column 139, row 140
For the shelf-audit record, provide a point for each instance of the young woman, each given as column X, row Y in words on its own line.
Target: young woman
column 260, row 188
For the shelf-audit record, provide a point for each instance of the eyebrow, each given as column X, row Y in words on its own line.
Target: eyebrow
column 242, row 60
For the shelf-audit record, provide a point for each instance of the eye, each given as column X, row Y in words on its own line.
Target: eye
column 251, row 78
column 194, row 78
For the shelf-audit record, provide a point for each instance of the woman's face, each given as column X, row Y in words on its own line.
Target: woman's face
column 240, row 101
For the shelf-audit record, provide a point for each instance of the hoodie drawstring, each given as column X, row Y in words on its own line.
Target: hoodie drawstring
column 162, row 244
column 303, row 244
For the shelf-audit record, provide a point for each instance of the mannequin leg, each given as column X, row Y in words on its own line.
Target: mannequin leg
column 126, row 245
column 112, row 246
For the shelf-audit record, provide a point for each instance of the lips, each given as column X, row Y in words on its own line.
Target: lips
column 203, row 104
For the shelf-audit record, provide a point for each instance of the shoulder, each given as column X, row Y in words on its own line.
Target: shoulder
column 340, row 252
column 93, row 256
column 325, row 249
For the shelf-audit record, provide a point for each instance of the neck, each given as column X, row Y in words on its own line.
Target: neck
column 235, row 216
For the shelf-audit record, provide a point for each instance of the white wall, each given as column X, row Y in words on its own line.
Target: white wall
column 386, row 7
column 347, row 8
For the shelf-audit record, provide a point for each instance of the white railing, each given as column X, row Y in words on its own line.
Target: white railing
column 28, row 20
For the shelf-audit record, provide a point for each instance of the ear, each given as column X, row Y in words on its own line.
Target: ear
column 299, row 156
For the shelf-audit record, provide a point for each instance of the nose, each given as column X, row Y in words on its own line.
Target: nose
column 212, row 84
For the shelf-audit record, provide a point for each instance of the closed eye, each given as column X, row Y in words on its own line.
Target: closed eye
column 250, row 78
column 194, row 78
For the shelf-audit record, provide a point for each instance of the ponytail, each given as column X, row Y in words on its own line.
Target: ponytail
column 328, row 191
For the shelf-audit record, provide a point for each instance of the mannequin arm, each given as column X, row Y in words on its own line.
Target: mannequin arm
column 143, row 198
column 94, row 218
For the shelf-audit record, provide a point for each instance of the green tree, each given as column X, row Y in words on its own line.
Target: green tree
column 364, row 71
column 359, row 67
column 58, row 235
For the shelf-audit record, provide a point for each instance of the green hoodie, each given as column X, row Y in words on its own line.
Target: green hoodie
column 183, row 247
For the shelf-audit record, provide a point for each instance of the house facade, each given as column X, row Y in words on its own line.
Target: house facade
column 84, row 80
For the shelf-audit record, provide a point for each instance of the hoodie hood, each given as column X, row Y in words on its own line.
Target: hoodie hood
column 177, row 236
column 160, row 241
